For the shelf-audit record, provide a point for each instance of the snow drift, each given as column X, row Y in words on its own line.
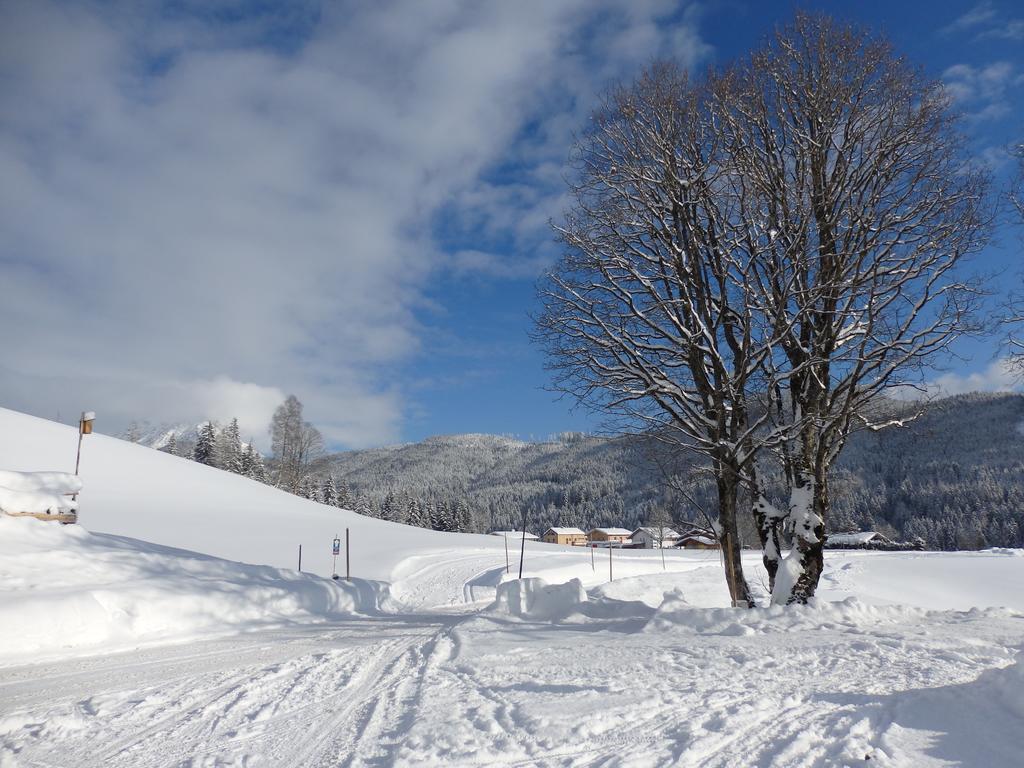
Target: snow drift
column 64, row 590
column 536, row 599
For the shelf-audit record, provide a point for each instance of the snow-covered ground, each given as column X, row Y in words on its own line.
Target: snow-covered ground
column 119, row 652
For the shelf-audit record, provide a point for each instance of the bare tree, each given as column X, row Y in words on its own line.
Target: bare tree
column 1017, row 187
column 646, row 317
column 1014, row 315
column 294, row 443
column 850, row 167
column 659, row 523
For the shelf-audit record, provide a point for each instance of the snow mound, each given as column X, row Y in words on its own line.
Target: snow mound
column 37, row 493
column 64, row 590
column 851, row 615
column 534, row 598
column 1005, row 551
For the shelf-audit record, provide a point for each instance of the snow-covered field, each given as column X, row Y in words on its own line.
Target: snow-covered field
column 115, row 651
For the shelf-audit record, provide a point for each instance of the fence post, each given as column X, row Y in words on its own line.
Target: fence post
column 522, row 546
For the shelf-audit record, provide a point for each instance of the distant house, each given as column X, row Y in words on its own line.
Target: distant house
column 646, row 537
column 857, row 540
column 514, row 535
column 572, row 536
column 609, row 536
column 696, row 541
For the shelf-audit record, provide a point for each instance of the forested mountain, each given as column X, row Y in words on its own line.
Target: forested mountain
column 954, row 477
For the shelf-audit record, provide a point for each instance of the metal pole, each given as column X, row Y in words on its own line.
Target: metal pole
column 592, row 566
column 300, row 558
column 348, row 572
column 610, row 562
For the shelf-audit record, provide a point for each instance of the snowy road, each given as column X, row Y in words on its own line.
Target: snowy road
column 298, row 697
column 643, row 687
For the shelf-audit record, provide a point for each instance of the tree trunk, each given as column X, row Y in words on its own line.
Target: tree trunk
column 812, row 553
column 729, row 540
column 769, row 524
column 798, row 575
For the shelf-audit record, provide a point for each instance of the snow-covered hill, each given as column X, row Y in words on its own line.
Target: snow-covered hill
column 131, row 490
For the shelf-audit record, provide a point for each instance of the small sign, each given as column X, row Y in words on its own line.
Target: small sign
column 337, row 546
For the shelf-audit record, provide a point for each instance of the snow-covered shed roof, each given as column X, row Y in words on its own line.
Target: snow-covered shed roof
column 565, row 531
column 668, row 533
column 611, row 531
column 861, row 537
column 699, row 538
column 514, row 534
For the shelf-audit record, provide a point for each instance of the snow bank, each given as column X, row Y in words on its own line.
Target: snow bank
column 536, row 599
column 849, row 615
column 65, row 590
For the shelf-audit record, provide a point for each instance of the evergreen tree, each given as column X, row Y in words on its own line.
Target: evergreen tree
column 462, row 518
column 328, row 493
column 344, row 498
column 362, row 505
column 204, row 451
column 252, row 464
column 171, row 446
column 389, row 508
column 442, row 519
column 417, row 514
column 229, row 448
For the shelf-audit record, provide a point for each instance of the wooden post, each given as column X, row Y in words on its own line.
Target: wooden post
column 610, row 562
column 348, row 570
column 522, row 548
column 78, row 456
column 300, row 558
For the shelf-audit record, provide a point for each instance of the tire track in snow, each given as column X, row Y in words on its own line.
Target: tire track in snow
column 250, row 714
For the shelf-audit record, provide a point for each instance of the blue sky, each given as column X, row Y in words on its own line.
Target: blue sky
column 968, row 43
column 206, row 206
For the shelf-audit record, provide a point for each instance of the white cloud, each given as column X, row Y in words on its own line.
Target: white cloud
column 201, row 214
column 998, row 376
column 982, row 91
column 979, row 15
column 985, row 22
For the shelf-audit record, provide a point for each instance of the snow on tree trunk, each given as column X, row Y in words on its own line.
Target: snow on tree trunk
column 798, row 574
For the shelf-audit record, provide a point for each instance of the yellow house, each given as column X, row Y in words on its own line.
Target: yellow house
column 572, row 536
column 613, row 536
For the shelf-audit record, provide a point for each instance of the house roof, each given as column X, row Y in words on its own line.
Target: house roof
column 862, row 537
column 611, row 531
column 668, row 533
column 516, row 534
column 565, row 531
column 699, row 538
